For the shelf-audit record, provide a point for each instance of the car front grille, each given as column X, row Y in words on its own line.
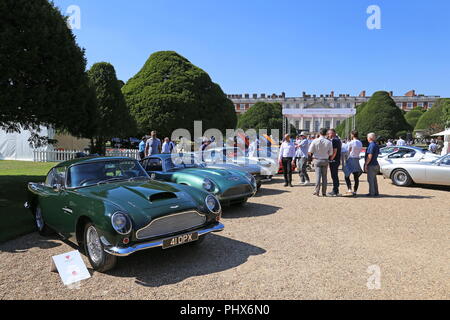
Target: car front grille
column 171, row 224
column 237, row 191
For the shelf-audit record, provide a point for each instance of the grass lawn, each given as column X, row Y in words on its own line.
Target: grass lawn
column 14, row 177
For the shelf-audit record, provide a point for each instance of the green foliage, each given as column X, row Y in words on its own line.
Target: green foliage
column 262, row 115
column 113, row 118
column 346, row 126
column 382, row 116
column 169, row 92
column 42, row 74
column 434, row 119
column 379, row 115
column 446, row 115
column 413, row 116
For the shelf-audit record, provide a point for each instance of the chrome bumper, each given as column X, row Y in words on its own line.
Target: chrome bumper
column 123, row 252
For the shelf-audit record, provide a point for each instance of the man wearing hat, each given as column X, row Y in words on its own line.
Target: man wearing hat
column 301, row 156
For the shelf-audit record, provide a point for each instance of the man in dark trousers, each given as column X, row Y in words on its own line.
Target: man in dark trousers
column 335, row 161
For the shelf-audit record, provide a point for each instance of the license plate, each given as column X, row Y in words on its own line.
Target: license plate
column 179, row 240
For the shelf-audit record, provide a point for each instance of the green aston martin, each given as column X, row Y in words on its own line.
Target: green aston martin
column 230, row 186
column 110, row 207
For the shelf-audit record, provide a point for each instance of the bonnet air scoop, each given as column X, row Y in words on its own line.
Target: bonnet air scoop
column 162, row 196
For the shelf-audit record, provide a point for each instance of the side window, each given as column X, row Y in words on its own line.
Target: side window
column 49, row 181
column 144, row 164
column 446, row 161
column 154, row 165
column 60, row 176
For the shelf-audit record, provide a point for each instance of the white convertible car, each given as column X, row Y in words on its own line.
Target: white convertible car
column 434, row 172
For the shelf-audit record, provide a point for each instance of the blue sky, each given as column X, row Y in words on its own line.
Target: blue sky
column 267, row 46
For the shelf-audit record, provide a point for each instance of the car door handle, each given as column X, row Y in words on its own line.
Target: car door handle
column 67, row 210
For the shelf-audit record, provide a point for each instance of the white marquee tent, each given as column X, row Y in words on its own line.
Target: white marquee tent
column 446, row 135
column 15, row 146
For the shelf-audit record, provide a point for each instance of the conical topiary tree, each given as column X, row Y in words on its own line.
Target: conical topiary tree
column 262, row 115
column 382, row 116
column 413, row 116
column 169, row 92
column 113, row 117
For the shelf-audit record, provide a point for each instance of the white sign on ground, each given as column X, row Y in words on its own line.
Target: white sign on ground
column 71, row 267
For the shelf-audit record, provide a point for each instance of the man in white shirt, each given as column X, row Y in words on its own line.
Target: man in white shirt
column 286, row 156
column 401, row 142
column 321, row 149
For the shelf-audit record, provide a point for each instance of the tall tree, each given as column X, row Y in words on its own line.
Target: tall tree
column 262, row 115
column 413, row 116
column 42, row 70
column 169, row 92
column 113, row 118
column 433, row 120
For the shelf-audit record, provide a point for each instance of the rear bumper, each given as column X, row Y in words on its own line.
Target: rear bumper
column 126, row 251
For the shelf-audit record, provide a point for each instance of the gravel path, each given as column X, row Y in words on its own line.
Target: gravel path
column 284, row 244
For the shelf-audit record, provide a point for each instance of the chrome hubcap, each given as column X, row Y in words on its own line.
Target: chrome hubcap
column 94, row 246
column 39, row 219
column 400, row 177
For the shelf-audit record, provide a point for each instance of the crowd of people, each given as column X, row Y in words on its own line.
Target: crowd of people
column 152, row 145
column 328, row 152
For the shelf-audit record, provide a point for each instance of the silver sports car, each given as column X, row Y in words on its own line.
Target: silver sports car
column 405, row 174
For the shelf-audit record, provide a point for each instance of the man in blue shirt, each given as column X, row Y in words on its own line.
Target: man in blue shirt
column 142, row 147
column 335, row 161
column 371, row 165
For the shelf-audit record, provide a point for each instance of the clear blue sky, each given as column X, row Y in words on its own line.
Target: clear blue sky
column 268, row 46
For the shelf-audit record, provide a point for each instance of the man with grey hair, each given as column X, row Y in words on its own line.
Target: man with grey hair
column 371, row 165
column 321, row 149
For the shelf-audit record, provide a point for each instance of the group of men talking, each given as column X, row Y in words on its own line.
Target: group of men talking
column 325, row 152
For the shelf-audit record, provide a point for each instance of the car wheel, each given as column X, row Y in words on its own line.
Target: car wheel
column 401, row 178
column 100, row 260
column 42, row 227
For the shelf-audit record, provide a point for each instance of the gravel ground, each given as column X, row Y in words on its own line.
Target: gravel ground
column 284, row 244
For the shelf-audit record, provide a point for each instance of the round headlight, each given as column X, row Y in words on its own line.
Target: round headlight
column 121, row 223
column 212, row 204
column 208, row 185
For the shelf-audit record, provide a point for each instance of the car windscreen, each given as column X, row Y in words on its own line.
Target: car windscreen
column 86, row 174
column 188, row 160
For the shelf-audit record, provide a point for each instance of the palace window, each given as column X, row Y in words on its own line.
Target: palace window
column 410, row 105
column 307, row 125
column 328, row 124
column 430, row 104
column 297, row 124
column 338, row 122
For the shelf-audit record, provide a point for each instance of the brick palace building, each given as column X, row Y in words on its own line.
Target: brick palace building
column 312, row 112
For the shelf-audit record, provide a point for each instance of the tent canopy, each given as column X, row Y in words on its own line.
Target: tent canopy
column 443, row 133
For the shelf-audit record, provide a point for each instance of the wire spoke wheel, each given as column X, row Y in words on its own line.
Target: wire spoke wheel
column 94, row 246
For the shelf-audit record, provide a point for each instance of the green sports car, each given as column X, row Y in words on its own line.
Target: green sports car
column 110, row 207
column 230, row 186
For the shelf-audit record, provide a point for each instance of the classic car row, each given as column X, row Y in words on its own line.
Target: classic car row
column 110, row 206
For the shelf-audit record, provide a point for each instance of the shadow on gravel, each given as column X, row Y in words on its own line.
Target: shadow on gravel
column 392, row 196
column 157, row 267
column 269, row 192
column 29, row 241
column 250, row 209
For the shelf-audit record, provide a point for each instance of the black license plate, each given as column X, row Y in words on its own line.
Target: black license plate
column 179, row 240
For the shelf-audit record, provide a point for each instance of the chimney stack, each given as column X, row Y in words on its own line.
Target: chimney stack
column 363, row 94
column 411, row 93
column 332, row 94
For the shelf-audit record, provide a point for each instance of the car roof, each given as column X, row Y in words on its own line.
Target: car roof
column 89, row 160
column 407, row 147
